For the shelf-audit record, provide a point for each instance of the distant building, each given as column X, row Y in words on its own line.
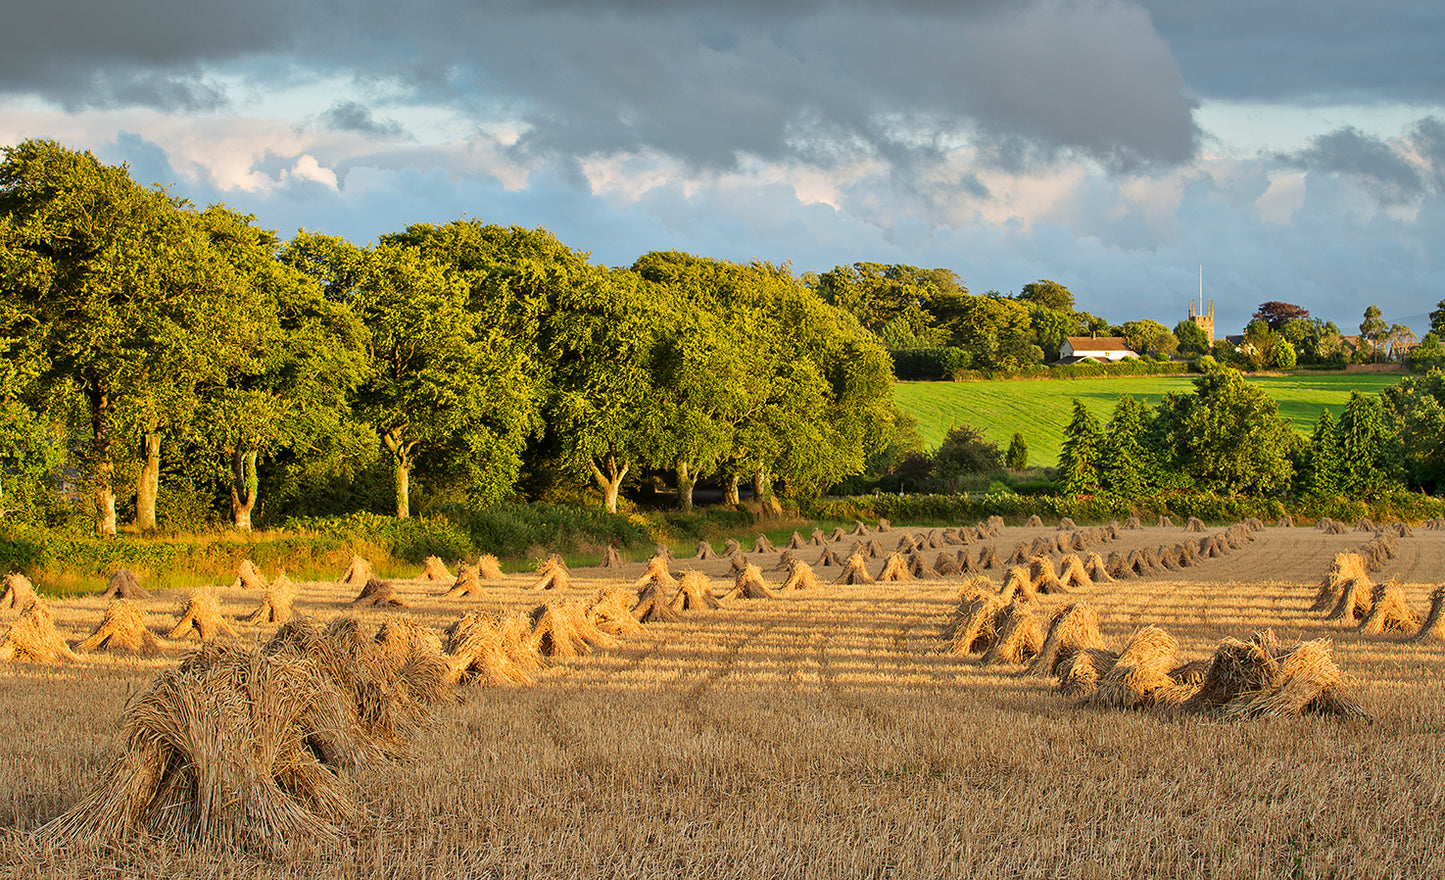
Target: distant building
column 1100, row 348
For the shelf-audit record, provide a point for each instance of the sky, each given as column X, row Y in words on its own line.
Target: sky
column 1287, row 150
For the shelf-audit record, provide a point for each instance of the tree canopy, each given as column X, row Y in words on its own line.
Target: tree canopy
column 1227, row 436
column 1276, row 314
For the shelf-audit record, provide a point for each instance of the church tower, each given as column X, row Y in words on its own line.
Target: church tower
column 1205, row 320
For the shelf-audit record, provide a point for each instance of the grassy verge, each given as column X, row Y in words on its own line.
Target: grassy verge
column 62, row 563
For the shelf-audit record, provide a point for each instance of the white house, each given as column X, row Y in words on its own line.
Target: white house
column 1104, row 348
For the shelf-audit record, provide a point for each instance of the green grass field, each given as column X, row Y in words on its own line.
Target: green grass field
column 1040, row 409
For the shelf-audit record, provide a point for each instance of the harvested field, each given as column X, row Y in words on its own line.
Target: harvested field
column 827, row 732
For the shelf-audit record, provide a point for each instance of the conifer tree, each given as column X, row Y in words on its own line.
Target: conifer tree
column 1017, row 458
column 1369, row 456
column 1323, row 479
column 1079, row 458
column 1125, row 466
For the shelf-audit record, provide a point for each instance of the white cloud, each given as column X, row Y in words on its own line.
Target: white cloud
column 307, row 169
column 1285, row 196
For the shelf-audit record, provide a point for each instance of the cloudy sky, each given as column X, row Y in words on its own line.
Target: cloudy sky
column 1295, row 150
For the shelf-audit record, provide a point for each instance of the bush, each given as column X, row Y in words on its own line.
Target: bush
column 704, row 523
column 1130, row 367
column 930, row 364
column 964, row 451
column 510, row 530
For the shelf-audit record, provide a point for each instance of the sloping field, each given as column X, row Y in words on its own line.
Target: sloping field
column 827, row 733
column 1041, row 408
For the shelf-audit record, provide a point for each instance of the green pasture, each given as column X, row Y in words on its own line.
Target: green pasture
column 1040, row 408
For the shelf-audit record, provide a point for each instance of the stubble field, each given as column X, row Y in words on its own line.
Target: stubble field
column 827, row 733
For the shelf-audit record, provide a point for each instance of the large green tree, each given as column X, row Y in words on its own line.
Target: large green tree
column 1417, row 416
column 1192, row 339
column 715, row 366
column 877, row 294
column 131, row 306
column 1324, row 480
column 996, row 331
column 306, row 354
column 555, row 316
column 30, row 451
column 1049, row 294
column 1370, row 462
column 835, row 403
column 440, row 382
column 1428, row 355
column 1147, row 337
column 1228, row 436
column 601, row 340
column 1127, row 465
column 1437, row 319
column 1372, row 332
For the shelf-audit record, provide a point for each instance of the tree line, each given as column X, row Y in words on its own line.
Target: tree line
column 935, row 329
column 1228, row 438
column 142, row 337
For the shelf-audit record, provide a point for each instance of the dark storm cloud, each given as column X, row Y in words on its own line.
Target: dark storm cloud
column 1385, row 168
column 97, row 53
column 1326, row 51
column 702, row 81
column 1091, row 78
column 357, row 117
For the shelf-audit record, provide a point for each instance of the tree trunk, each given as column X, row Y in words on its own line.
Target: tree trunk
column 244, row 485
column 403, row 488
column 401, row 456
column 685, row 482
column 104, row 467
column 105, row 498
column 148, row 484
column 610, row 482
column 762, row 484
column 730, row 490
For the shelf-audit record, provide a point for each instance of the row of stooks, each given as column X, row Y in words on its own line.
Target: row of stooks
column 253, row 747
column 1351, row 598
column 1243, row 679
column 123, row 627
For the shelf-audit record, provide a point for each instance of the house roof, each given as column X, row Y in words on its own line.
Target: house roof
column 1097, row 343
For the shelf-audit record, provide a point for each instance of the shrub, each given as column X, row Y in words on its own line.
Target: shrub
column 930, row 363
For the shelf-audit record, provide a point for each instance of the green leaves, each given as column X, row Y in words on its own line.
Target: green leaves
column 1079, row 457
column 1228, row 436
column 130, row 304
column 440, row 381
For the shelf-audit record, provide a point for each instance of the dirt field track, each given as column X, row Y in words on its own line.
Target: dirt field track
column 825, row 734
